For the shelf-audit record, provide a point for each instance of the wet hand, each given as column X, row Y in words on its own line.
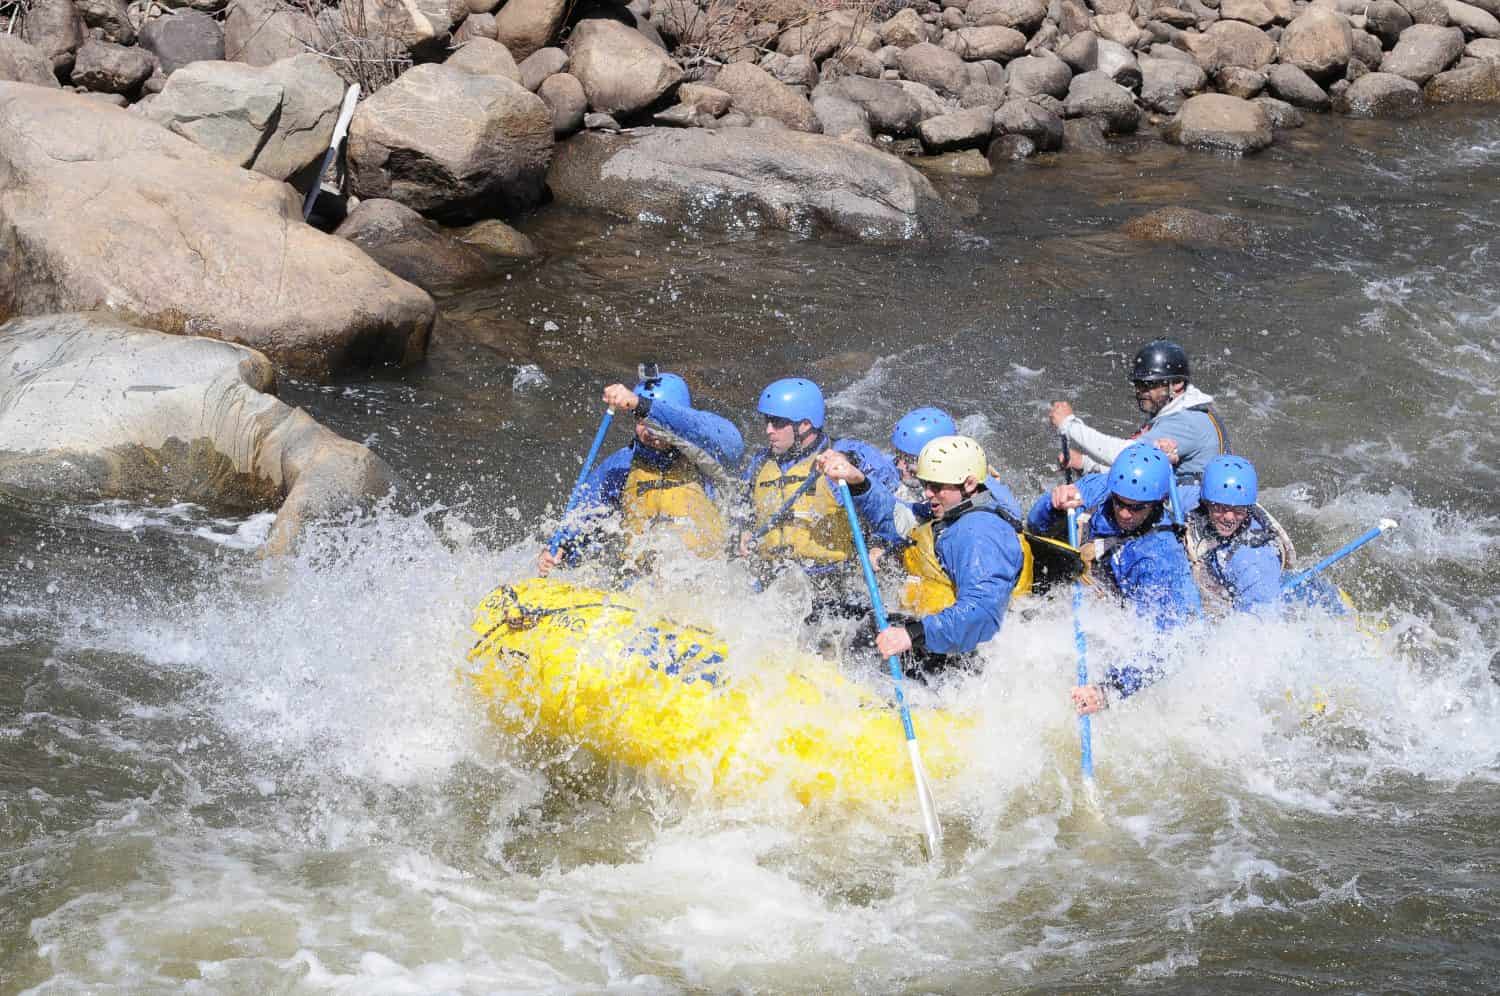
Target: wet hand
column 545, row 561
column 837, row 467
column 1066, row 496
column 893, row 640
column 1169, row 447
column 875, row 554
column 1073, row 462
column 745, row 545
column 1087, row 699
column 621, row 397
column 1059, row 413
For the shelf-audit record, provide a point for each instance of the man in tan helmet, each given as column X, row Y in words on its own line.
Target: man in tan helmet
column 961, row 564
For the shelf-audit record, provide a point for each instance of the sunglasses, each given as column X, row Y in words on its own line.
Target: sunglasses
column 777, row 422
column 935, row 486
column 1147, row 385
column 1131, row 506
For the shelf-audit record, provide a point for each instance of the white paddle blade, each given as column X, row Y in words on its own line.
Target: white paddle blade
column 1386, row 525
column 931, row 828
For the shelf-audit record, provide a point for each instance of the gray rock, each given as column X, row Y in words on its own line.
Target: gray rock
column 194, row 244
column 108, row 68
column 793, row 70
column 1472, row 20
column 1367, row 48
column 708, row 99
column 1483, row 49
column 1380, row 95
column 1011, row 148
column 938, row 68
column 1120, row 28
column 1119, row 64
column 1035, row 74
column 1253, row 12
column 1479, row 83
column 1424, row 51
column 840, row 117
column 926, row 97
column 1281, row 114
column 903, row 30
column 603, row 122
column 1235, row 43
column 564, row 96
column 1386, row 19
column 1240, row 82
column 1166, row 83
column 1041, row 126
column 226, row 107
column 968, row 163
column 784, row 179
column 524, row 26
column 756, row 93
column 486, row 57
column 1296, row 87
column 983, row 95
column 480, row 25
column 1318, row 42
column 1222, row 123
column 890, row 109
column 965, row 129
column 410, row 246
column 1085, row 135
column 451, row 144
column 1081, row 53
column 1095, row 95
column 111, row 18
column 679, row 116
column 54, row 28
column 1025, row 16
column 988, row 42
column 620, row 70
column 22, row 63
column 260, row 32
column 181, row 38
column 79, row 426
column 539, row 65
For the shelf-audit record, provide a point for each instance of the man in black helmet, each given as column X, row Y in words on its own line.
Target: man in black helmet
column 1180, row 419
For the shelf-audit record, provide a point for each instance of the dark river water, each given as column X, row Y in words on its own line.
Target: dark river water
column 223, row 775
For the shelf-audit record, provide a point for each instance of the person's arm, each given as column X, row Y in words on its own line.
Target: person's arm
column 1255, row 579
column 599, row 496
column 713, row 434
column 1193, row 432
column 984, row 568
column 874, row 464
column 1098, row 449
column 1159, row 583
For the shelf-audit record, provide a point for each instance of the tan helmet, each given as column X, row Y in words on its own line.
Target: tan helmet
column 951, row 460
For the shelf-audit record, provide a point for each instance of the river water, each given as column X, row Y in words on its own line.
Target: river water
column 220, row 775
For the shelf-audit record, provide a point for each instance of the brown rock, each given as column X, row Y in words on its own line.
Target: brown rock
column 621, row 71
column 1222, row 123
column 1318, row 42
column 523, row 26
column 22, row 63
column 109, row 68
column 1479, row 83
column 564, row 95
column 754, row 92
column 486, row 57
column 1179, row 224
column 56, row 30
column 410, row 246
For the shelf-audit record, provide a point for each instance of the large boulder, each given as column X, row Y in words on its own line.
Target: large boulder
column 1380, row 95
column 755, row 92
column 1166, row 83
column 976, row 44
column 1318, row 42
column 621, row 71
column 1473, row 20
column 486, row 57
column 1296, row 87
column 967, row 129
column 781, row 179
column 97, row 408
column 1029, row 120
column 1235, row 43
column 260, row 32
column 891, row 110
column 1220, row 122
column 1095, row 95
column 1424, row 51
column 101, row 208
column 1024, row 16
column 22, row 63
column 410, row 246
column 1386, row 19
column 181, row 38
column 275, row 119
column 109, row 18
column 1476, row 84
column 904, row 29
column 1034, row 74
column 55, row 29
column 421, row 28
column 523, row 26
column 840, row 117
column 451, row 144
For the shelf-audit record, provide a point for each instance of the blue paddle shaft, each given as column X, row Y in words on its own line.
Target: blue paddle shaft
column 1373, row 533
column 1081, row 645
column 583, row 473
column 893, row 662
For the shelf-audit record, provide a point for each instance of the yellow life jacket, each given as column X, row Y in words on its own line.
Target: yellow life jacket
column 928, row 588
column 672, row 497
column 815, row 529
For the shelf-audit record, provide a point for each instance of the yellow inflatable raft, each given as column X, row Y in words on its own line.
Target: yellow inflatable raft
column 594, row 668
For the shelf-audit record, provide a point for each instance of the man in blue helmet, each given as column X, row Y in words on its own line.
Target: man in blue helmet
column 1180, row 419
column 1238, row 551
column 1129, row 539
column 669, row 477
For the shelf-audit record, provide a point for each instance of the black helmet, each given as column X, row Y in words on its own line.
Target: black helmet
column 1160, row 359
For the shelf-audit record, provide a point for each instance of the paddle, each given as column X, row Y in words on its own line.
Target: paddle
column 583, row 473
column 1373, row 533
column 930, row 825
column 1080, row 641
column 340, row 129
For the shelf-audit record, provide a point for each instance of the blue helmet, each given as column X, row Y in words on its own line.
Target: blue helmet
column 917, row 428
column 795, row 398
column 1229, row 480
column 1140, row 473
column 669, row 388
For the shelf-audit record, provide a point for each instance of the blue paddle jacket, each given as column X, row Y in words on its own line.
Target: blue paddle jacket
column 707, row 441
column 1246, row 566
column 1148, row 569
column 978, row 550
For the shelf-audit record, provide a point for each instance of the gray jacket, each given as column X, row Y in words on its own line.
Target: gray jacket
column 1198, row 435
